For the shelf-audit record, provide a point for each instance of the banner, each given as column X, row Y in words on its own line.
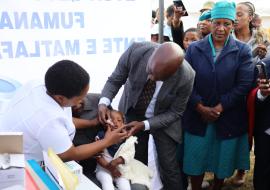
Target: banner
column 94, row 33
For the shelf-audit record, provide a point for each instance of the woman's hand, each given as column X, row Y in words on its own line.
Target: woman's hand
column 261, row 51
column 115, row 136
column 208, row 114
column 264, row 86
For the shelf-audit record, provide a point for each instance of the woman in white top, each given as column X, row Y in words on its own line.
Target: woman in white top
column 43, row 114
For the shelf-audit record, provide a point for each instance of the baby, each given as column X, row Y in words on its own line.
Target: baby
column 107, row 171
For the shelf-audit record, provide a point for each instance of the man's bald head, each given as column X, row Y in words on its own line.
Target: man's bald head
column 165, row 61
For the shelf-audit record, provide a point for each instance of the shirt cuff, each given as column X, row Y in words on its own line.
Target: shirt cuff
column 105, row 101
column 260, row 96
column 146, row 125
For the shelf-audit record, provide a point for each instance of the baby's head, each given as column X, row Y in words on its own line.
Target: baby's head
column 117, row 119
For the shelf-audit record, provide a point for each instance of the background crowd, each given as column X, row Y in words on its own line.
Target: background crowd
column 246, row 27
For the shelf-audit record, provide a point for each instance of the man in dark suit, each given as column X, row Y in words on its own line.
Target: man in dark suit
column 262, row 133
column 164, row 65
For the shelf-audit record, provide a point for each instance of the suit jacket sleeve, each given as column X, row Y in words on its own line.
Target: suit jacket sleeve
column 178, row 105
column 119, row 75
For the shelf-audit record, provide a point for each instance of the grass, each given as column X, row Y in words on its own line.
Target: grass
column 248, row 185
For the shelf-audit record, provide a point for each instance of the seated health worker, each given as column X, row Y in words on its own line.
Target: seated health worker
column 43, row 113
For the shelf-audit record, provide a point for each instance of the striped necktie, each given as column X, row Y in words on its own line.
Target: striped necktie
column 145, row 97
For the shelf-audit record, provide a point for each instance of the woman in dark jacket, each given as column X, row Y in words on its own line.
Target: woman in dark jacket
column 215, row 120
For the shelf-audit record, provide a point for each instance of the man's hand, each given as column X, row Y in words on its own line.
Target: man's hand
column 103, row 114
column 264, row 86
column 134, row 127
column 115, row 136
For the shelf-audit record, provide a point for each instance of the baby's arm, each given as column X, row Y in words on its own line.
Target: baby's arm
column 108, row 166
column 117, row 161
